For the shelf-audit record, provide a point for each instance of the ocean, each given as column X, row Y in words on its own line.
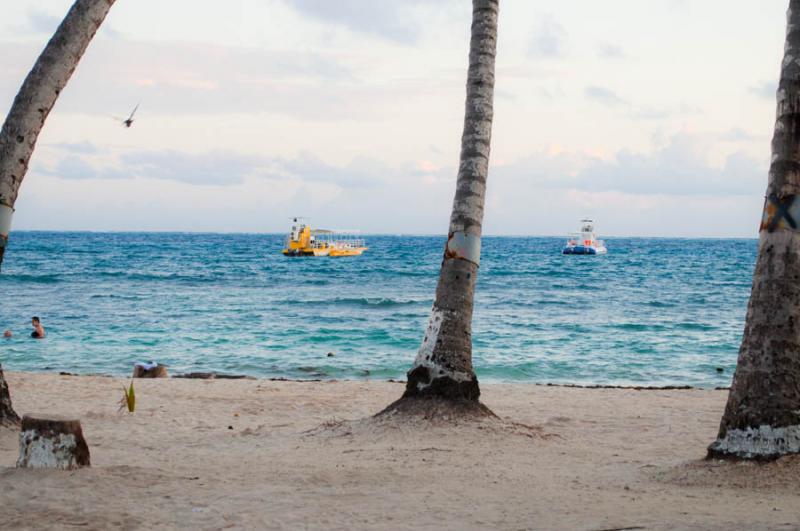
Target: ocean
column 650, row 312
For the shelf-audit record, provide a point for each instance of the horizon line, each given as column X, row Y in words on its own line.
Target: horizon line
column 398, row 234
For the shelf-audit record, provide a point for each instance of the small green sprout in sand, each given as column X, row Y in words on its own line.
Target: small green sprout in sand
column 128, row 399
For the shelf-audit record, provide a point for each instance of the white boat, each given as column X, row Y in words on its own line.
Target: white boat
column 585, row 241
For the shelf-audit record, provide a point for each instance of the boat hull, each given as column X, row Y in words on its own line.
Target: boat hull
column 347, row 252
column 581, row 249
column 297, row 252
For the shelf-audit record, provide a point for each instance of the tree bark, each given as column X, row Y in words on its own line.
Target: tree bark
column 52, row 442
column 762, row 416
column 36, row 98
column 443, row 366
column 8, row 417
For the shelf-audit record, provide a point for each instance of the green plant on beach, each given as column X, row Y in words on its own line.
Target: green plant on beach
column 128, row 399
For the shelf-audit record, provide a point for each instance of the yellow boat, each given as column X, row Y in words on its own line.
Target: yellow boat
column 305, row 241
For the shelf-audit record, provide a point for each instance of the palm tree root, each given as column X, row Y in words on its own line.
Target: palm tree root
column 438, row 398
column 431, row 407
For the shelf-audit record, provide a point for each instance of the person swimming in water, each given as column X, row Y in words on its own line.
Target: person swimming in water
column 7, row 334
column 38, row 329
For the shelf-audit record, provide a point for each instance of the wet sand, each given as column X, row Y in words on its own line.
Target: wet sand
column 213, row 454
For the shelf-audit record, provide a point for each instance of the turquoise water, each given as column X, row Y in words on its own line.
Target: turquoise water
column 666, row 311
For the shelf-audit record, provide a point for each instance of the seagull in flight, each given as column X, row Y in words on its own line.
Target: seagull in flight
column 127, row 122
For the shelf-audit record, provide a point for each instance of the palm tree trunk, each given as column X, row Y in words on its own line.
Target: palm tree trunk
column 762, row 416
column 36, row 98
column 8, row 417
column 443, row 366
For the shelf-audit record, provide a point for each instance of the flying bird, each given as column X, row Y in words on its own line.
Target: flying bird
column 127, row 122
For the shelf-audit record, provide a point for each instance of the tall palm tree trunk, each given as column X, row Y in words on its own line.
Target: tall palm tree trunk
column 8, row 417
column 443, row 366
column 36, row 98
column 762, row 416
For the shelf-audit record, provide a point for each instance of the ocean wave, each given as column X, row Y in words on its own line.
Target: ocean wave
column 358, row 302
column 34, row 279
column 638, row 327
column 661, row 304
column 159, row 277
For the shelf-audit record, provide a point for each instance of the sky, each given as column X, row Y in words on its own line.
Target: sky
column 654, row 118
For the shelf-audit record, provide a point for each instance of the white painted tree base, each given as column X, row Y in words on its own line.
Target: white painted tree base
column 52, row 443
column 763, row 442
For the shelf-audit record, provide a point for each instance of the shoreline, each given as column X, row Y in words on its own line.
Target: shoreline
column 219, row 453
column 234, row 376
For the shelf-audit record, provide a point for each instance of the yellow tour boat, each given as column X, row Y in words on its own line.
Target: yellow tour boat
column 305, row 241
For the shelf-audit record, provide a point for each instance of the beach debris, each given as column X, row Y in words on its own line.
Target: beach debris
column 52, row 442
column 8, row 417
column 213, row 376
column 149, row 369
column 128, row 399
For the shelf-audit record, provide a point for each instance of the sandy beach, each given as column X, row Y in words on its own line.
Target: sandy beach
column 213, row 454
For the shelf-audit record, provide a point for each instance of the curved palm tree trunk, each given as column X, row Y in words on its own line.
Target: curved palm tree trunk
column 443, row 366
column 762, row 416
column 8, row 417
column 36, row 98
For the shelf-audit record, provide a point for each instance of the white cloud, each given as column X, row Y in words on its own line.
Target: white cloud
column 681, row 168
column 549, row 38
column 396, row 20
column 610, row 51
column 604, row 95
column 41, row 22
column 764, row 90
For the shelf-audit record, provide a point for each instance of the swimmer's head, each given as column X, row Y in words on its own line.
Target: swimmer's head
column 7, row 333
column 35, row 320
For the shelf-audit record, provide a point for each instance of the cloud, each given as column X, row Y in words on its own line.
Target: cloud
column 73, row 167
column 41, row 22
column 193, row 78
column 676, row 181
column 211, row 168
column 81, row 148
column 216, row 168
column 393, row 20
column 610, row 51
column 680, row 168
column 362, row 172
column 660, row 113
column 604, row 95
column 737, row 134
column 549, row 38
column 765, row 90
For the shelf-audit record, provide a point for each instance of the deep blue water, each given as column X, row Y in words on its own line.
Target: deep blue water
column 664, row 311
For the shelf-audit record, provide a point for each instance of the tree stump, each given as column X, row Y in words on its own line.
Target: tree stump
column 52, row 442
column 159, row 371
column 8, row 417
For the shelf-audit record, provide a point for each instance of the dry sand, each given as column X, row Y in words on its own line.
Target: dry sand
column 296, row 456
